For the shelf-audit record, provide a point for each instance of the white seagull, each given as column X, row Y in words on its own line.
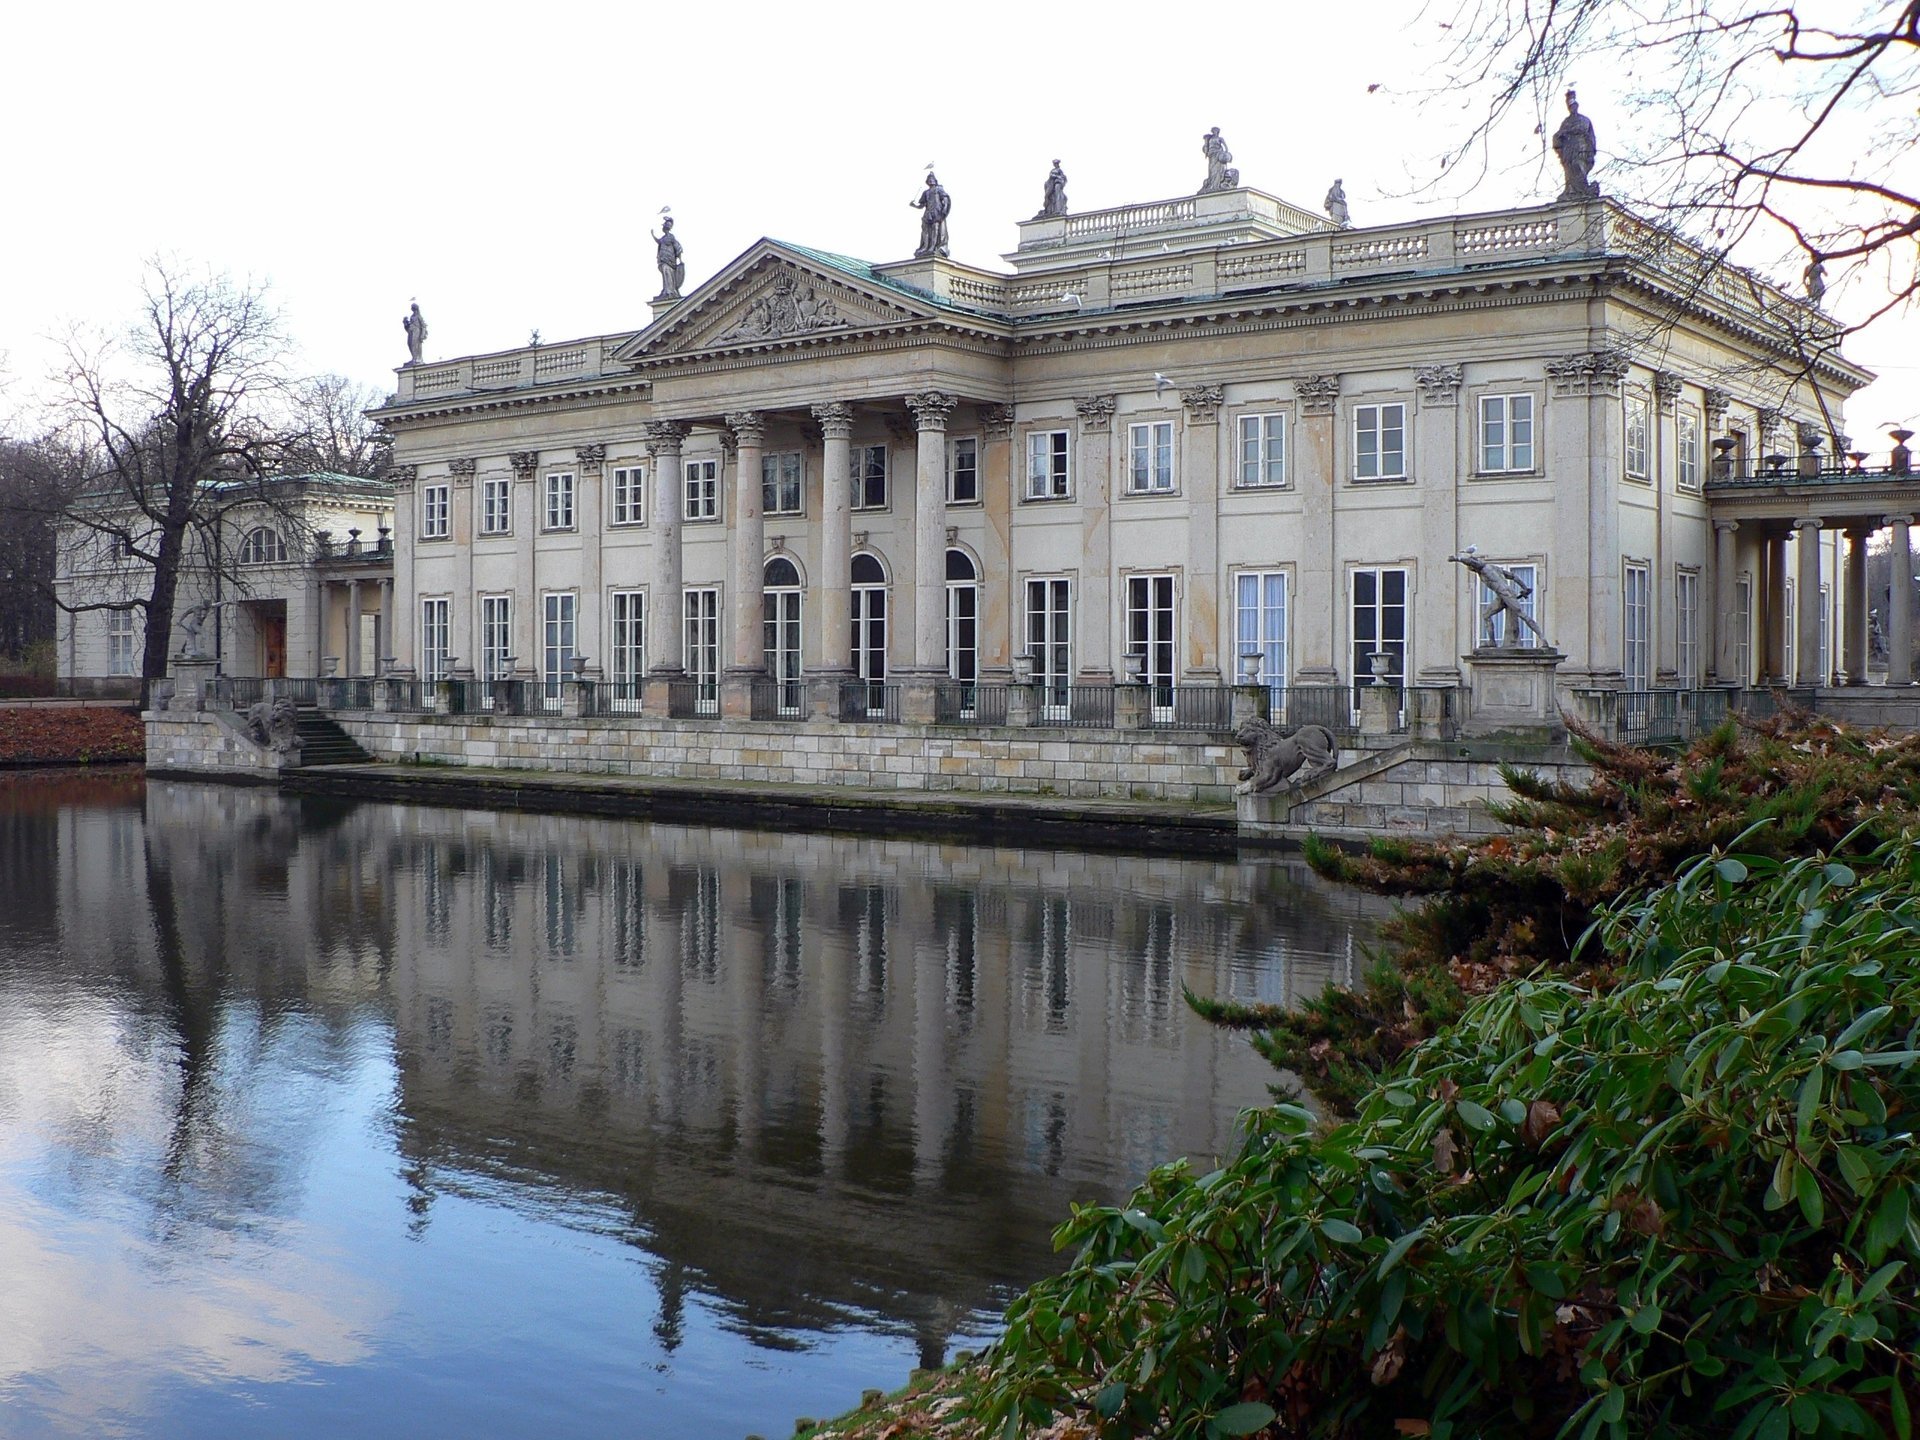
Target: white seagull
column 1160, row 382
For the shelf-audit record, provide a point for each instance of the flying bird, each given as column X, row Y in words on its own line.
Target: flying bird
column 1160, row 382
column 666, row 209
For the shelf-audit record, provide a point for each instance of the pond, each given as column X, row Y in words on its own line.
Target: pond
column 321, row 1118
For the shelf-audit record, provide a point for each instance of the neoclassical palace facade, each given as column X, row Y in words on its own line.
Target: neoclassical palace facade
column 1218, row 433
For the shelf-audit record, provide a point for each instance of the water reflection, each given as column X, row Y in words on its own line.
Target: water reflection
column 323, row 1086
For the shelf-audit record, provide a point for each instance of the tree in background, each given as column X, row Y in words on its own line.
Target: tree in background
column 37, row 479
column 329, row 432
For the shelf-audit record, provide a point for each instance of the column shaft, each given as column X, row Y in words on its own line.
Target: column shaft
column 832, row 588
column 1726, row 581
column 1093, row 485
column 1775, row 550
column 1853, row 600
column 749, row 545
column 1316, row 624
column 1900, row 604
column 353, row 628
column 385, row 636
column 1806, row 648
column 664, row 636
column 930, row 410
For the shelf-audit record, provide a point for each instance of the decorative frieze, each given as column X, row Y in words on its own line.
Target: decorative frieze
column 835, row 419
column 524, row 463
column 748, row 427
column 1203, row 403
column 931, row 408
column 1095, row 411
column 1588, row 372
column 1318, row 393
column 996, row 421
column 1716, row 402
column 1667, row 385
column 664, row 437
column 591, row 458
column 1440, row 384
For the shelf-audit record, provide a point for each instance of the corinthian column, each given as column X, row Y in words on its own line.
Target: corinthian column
column 1726, row 641
column 1806, row 646
column 749, row 429
column 833, row 593
column 1900, row 604
column 664, row 637
column 930, row 411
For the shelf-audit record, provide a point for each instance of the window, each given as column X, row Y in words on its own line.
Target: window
column 627, row 647
column 1506, row 433
column 780, row 612
column 1260, row 624
column 869, row 477
column 1496, row 630
column 870, row 625
column 1687, row 431
column 1379, row 625
column 263, row 546
column 560, row 500
column 780, row 488
column 1686, row 609
column 963, row 617
column 496, row 637
column 121, row 642
column 963, row 471
column 702, row 614
column 1636, row 601
column 1636, row 439
column 629, row 502
column 1150, row 632
column 434, row 630
column 1793, row 635
column 1825, row 676
column 1742, row 620
column 496, row 505
column 1150, row 458
column 1050, row 640
column 703, row 490
column 1380, row 442
column 1047, row 465
column 558, row 639
column 1263, row 450
column 436, row 512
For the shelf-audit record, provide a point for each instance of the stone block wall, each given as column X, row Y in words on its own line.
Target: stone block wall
column 210, row 743
column 1088, row 764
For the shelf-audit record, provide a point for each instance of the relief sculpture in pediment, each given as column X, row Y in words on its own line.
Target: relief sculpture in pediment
column 790, row 308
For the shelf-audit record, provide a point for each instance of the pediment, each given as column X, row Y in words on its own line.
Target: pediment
column 768, row 296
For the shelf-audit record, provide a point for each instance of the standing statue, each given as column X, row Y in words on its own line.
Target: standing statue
column 1508, row 591
column 191, row 621
column 667, row 254
column 1055, row 203
column 1336, row 203
column 416, row 327
column 934, row 206
column 1220, row 172
column 1575, row 144
column 1816, row 278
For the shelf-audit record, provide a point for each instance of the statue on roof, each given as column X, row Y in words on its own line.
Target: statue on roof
column 934, row 206
column 416, row 327
column 1336, row 203
column 1220, row 172
column 1816, row 279
column 668, row 255
column 1574, row 142
column 1055, row 203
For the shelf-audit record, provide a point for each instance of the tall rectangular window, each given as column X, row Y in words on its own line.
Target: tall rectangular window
column 1380, row 442
column 436, row 512
column 1742, row 621
column 701, row 616
column 1150, row 458
column 1047, row 477
column 496, row 505
column 869, row 477
column 558, row 638
column 1686, row 611
column 1825, row 668
column 1506, row 433
column 1379, row 625
column 628, row 497
column 1150, row 632
column 435, row 630
column 1638, row 465
column 121, row 643
column 560, row 500
column 1263, row 450
column 627, row 646
column 703, row 490
column 1637, row 612
column 1793, row 632
column 496, row 637
column 781, row 492
column 1260, row 624
column 1050, row 639
column 1500, row 629
column 963, row 471
column 1687, row 434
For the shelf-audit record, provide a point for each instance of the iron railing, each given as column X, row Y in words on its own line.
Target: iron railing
column 1079, row 706
column 1191, row 707
column 613, row 697
column 690, row 699
column 964, row 702
column 777, row 700
column 869, row 700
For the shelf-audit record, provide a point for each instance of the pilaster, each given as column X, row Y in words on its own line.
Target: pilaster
column 400, row 641
column 1094, row 491
column 1316, row 629
column 997, row 606
column 590, row 462
column 1806, row 616
column 526, row 524
column 1726, row 641
column 1437, row 628
column 460, row 620
column 1201, row 479
column 1900, row 603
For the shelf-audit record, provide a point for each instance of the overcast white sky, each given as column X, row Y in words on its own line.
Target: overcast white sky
column 503, row 163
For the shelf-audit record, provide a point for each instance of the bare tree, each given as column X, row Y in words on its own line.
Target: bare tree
column 330, row 432
column 37, row 479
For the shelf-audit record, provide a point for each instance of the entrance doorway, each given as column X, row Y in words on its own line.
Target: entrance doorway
column 269, row 637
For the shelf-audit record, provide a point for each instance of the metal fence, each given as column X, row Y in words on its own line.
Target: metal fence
column 1675, row 717
column 869, row 700
column 1076, row 706
column 968, row 703
column 690, row 699
column 612, row 697
column 777, row 700
column 1191, row 707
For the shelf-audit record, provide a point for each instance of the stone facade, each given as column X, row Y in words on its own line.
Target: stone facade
column 210, row 743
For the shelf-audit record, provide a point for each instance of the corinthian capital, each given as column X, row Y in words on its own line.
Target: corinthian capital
column 1095, row 410
column 664, row 437
column 749, row 427
column 835, row 418
column 931, row 408
column 1318, row 393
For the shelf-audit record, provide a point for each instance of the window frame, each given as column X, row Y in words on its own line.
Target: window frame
column 1160, row 590
column 1262, row 610
column 1686, row 442
column 494, row 487
column 1510, row 460
column 562, row 516
column 1636, row 418
column 1057, row 481
column 700, row 636
column 627, row 494
column 1055, row 684
column 771, row 491
column 1268, row 425
column 123, row 648
column 1151, row 467
column 250, row 551
column 1686, row 626
column 496, row 618
column 954, row 469
column 436, row 510
column 697, row 486
column 626, row 638
column 1630, row 638
column 559, row 610
column 1483, row 597
column 433, row 659
column 1362, row 675
column 1379, row 430
column 862, row 476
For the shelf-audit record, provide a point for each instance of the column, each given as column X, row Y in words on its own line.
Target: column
column 1093, row 488
column 460, row 619
column 526, row 576
column 1316, row 625
column 665, row 638
column 1726, row 580
column 997, row 608
column 382, row 661
column 832, row 589
column 1200, row 476
column 591, row 618
column 1438, row 625
column 930, row 411
column 1900, row 604
column 352, row 669
column 1806, row 645
column 400, row 636
column 748, row 547
column 1774, row 547
column 1853, row 600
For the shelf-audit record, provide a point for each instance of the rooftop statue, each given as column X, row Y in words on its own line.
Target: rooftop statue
column 1054, row 204
column 1220, row 172
column 1336, row 203
column 934, row 206
column 1509, row 593
column 1576, row 146
column 668, row 255
column 1816, row 278
column 416, row 327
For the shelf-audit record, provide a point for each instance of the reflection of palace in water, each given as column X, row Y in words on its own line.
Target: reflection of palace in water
column 809, row 1075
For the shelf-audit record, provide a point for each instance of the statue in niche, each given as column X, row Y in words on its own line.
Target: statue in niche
column 1054, row 205
column 669, row 256
column 934, row 206
column 1509, row 592
column 1277, row 757
column 1574, row 142
column 1336, row 203
column 416, row 327
column 1220, row 172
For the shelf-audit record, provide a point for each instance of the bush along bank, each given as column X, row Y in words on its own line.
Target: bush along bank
column 69, row 735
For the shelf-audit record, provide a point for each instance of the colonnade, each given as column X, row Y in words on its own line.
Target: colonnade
column 350, row 597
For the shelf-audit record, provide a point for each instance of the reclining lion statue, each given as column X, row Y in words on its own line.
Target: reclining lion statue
column 274, row 723
column 1277, row 757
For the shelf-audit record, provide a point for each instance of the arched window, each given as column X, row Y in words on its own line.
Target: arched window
column 870, row 627
column 780, row 609
column 781, row 573
column 263, row 546
column 963, row 621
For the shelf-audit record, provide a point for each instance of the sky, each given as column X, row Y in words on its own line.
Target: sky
column 504, row 164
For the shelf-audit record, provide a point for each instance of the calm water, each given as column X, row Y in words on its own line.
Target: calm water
column 322, row 1119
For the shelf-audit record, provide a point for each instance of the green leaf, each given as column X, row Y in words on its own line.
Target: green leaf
column 1243, row 1419
column 1109, row 1400
column 1730, row 870
column 1861, row 1025
column 1342, row 1232
column 1398, row 1249
column 1846, row 1060
column 1476, row 1116
column 1902, row 1417
column 1145, row 1224
column 1806, row 1189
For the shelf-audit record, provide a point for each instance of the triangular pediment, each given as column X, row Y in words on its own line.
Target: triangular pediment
column 775, row 293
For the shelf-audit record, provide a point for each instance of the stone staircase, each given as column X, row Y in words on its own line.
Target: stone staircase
column 324, row 743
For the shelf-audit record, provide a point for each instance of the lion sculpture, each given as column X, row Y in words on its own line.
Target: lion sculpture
column 275, row 724
column 1277, row 757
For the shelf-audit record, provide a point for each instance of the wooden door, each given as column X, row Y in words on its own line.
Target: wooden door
column 273, row 643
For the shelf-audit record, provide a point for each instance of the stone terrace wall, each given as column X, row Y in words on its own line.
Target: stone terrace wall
column 211, row 743
column 1087, row 764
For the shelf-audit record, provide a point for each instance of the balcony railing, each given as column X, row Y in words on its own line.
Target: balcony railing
column 1191, row 707
column 970, row 703
column 778, row 700
column 874, row 700
column 691, row 699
